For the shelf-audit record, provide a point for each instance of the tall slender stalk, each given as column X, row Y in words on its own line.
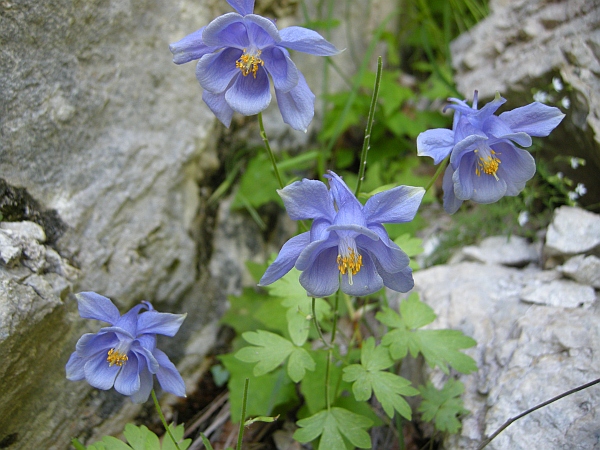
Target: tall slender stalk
column 370, row 119
column 263, row 135
column 439, row 170
column 162, row 419
column 243, row 418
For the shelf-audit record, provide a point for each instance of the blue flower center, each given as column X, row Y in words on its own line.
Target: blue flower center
column 116, row 358
column 349, row 262
column 487, row 162
column 249, row 63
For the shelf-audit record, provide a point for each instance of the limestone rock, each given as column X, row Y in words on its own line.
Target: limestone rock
column 584, row 269
column 572, row 231
column 525, row 353
column 505, row 250
column 562, row 293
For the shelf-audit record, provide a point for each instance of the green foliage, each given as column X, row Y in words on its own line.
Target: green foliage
column 139, row 438
column 266, row 393
column 369, row 376
column 333, row 426
column 271, row 350
column 443, row 406
column 439, row 347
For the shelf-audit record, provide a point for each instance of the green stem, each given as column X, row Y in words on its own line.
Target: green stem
column 335, row 316
column 162, row 418
column 314, row 315
column 439, row 170
column 327, row 380
column 243, row 419
column 370, row 119
column 263, row 135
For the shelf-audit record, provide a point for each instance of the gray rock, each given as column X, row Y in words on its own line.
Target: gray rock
column 562, row 293
column 583, row 269
column 572, row 231
column 525, row 353
column 505, row 250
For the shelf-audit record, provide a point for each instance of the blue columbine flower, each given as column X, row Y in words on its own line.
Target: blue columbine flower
column 347, row 240
column 237, row 53
column 124, row 355
column 485, row 165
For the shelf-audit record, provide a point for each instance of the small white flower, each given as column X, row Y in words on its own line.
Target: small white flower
column 565, row 102
column 523, row 218
column 573, row 196
column 540, row 96
column 557, row 84
column 574, row 163
column 580, row 189
column 560, row 175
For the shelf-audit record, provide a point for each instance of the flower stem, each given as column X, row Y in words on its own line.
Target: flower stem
column 243, row 418
column 327, row 380
column 439, row 170
column 370, row 119
column 162, row 419
column 314, row 314
column 263, row 135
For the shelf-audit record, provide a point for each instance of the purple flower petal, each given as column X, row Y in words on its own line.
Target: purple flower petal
column 535, row 119
column 286, row 259
column 398, row 281
column 396, row 205
column 95, row 306
column 312, row 252
column 386, row 252
column 249, row 95
column 466, row 146
column 227, row 30
column 146, row 382
column 219, row 107
column 298, row 105
column 153, row 322
column 451, row 203
column 486, row 189
column 516, row 168
column 307, row 199
column 74, row 367
column 342, row 195
column 145, row 356
column 282, row 69
column 463, row 177
column 190, row 48
column 242, row 6
column 351, row 230
column 99, row 374
column 365, row 282
column 168, row 376
column 128, row 321
column 128, row 379
column 307, row 41
column 262, row 32
column 436, row 143
column 321, row 278
column 216, row 70
column 90, row 344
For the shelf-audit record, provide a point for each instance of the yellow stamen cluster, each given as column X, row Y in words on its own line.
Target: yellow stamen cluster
column 488, row 165
column 116, row 358
column 350, row 264
column 249, row 63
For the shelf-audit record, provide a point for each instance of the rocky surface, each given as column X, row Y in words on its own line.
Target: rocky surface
column 537, row 336
column 519, row 49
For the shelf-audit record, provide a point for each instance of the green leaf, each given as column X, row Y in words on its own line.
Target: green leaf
column 141, row 438
column 112, row 443
column 369, row 377
column 333, row 426
column 265, row 393
column 220, row 374
column 78, row 445
column 177, row 432
column 299, row 306
column 439, row 347
column 240, row 315
column 300, row 361
column 442, row 406
column 269, row 351
column 206, row 442
column 258, row 184
column 412, row 246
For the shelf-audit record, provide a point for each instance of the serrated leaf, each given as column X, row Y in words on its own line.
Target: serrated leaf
column 331, row 426
column 177, row 432
column 269, row 350
column 141, row 438
column 442, row 406
column 439, row 347
column 369, row 377
column 300, row 361
column 412, row 246
column 258, row 179
column 299, row 305
column 112, row 443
